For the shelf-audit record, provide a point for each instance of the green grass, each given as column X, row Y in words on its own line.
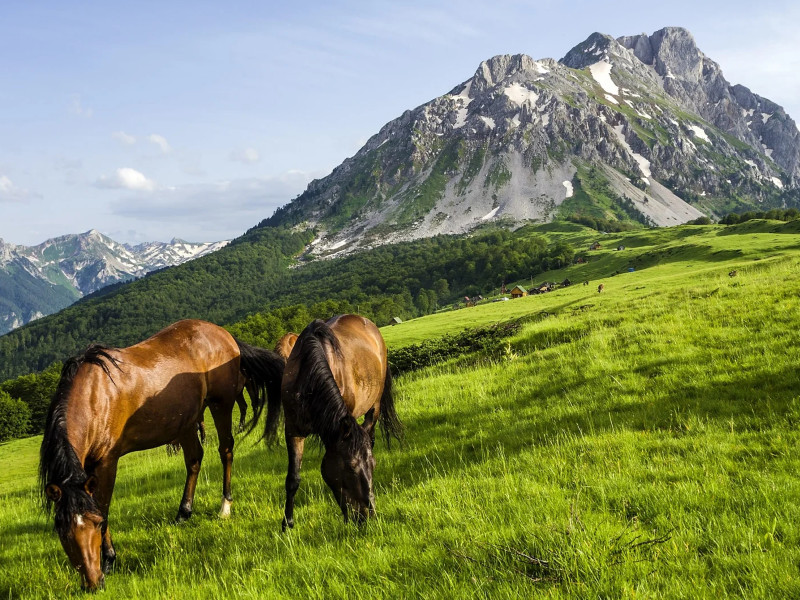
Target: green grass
column 641, row 441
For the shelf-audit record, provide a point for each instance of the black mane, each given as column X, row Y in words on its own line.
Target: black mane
column 318, row 395
column 58, row 463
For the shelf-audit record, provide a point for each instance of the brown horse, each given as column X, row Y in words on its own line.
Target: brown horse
column 110, row 402
column 285, row 345
column 337, row 372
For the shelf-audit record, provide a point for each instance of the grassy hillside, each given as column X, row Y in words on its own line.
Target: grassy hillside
column 253, row 274
column 640, row 442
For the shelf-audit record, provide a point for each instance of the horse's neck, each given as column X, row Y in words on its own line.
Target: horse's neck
column 79, row 434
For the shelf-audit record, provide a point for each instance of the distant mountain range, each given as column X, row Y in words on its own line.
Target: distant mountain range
column 39, row 280
column 640, row 128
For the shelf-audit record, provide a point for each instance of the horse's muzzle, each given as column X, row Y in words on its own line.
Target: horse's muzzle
column 86, row 586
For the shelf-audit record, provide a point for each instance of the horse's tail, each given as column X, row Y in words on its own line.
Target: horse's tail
column 389, row 421
column 264, row 371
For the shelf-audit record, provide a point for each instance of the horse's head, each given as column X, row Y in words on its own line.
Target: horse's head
column 79, row 524
column 347, row 469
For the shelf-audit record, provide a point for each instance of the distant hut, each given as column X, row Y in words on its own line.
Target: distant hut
column 544, row 287
column 519, row 292
column 395, row 321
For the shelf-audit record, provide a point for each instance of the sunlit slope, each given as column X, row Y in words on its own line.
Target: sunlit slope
column 638, row 442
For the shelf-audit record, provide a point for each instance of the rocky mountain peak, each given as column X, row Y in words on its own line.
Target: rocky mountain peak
column 501, row 68
column 647, row 118
column 593, row 49
column 39, row 280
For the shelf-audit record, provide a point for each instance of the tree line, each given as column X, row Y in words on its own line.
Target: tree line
column 258, row 298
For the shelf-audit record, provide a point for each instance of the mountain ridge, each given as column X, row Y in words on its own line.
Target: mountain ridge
column 39, row 280
column 670, row 138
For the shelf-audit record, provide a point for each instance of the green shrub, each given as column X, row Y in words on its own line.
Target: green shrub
column 14, row 417
column 480, row 339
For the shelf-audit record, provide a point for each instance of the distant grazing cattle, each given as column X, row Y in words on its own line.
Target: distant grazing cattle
column 586, row 282
column 733, row 274
column 600, row 288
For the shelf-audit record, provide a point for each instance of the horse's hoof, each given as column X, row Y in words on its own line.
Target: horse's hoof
column 182, row 517
column 286, row 523
column 225, row 510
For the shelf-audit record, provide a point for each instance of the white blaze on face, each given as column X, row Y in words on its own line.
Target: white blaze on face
column 78, row 520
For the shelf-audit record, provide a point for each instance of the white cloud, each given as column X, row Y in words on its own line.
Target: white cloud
column 9, row 192
column 218, row 210
column 127, row 179
column 77, row 108
column 124, row 138
column 247, row 156
column 160, row 141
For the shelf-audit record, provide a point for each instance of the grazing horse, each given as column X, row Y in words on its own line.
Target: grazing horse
column 110, row 402
column 600, row 288
column 285, row 345
column 337, row 373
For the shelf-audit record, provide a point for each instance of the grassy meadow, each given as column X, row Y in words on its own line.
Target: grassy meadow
column 637, row 443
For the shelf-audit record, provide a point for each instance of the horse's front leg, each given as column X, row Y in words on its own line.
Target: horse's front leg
column 106, row 474
column 193, row 458
column 222, row 413
column 369, row 424
column 294, row 448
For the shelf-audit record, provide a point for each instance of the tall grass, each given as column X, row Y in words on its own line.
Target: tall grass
column 635, row 443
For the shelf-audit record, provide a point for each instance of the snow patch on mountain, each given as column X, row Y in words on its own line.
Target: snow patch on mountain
column 601, row 71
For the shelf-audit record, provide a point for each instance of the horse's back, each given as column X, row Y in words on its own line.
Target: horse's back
column 164, row 380
column 360, row 371
column 188, row 346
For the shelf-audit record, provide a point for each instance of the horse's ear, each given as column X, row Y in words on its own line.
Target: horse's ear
column 53, row 492
column 91, row 485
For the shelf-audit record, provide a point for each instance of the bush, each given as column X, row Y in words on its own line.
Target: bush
column 14, row 417
column 36, row 391
column 480, row 339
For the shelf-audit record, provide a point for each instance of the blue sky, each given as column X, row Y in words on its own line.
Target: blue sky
column 153, row 120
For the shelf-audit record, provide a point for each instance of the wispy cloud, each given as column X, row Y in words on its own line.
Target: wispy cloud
column 126, row 179
column 77, row 108
column 160, row 141
column 9, row 192
column 221, row 209
column 247, row 156
column 124, row 138
column 431, row 25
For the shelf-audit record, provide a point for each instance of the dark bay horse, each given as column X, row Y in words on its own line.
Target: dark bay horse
column 110, row 402
column 336, row 373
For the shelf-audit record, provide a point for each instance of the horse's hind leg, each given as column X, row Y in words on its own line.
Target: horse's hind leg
column 193, row 458
column 242, row 404
column 294, row 448
column 223, row 416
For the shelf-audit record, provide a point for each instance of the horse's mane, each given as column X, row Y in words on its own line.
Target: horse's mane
column 58, row 462
column 316, row 391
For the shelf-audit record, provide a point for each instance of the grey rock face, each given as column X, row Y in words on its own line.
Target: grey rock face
column 650, row 114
